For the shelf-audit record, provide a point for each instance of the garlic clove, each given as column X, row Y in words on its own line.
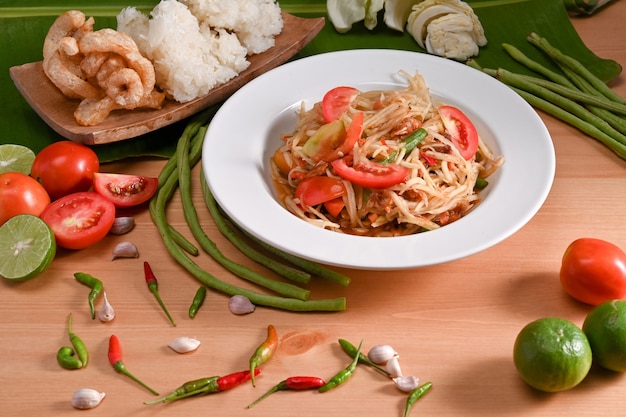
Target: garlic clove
column 406, row 383
column 125, row 250
column 393, row 367
column 184, row 344
column 381, row 354
column 239, row 304
column 86, row 398
column 106, row 313
column 122, row 225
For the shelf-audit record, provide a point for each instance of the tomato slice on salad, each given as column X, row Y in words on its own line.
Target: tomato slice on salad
column 370, row 174
column 461, row 130
column 316, row 190
column 79, row 220
column 336, row 101
column 125, row 190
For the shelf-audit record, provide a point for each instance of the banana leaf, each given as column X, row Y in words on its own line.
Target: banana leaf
column 25, row 24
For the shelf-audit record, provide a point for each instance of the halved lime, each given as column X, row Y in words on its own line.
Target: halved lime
column 16, row 158
column 27, row 247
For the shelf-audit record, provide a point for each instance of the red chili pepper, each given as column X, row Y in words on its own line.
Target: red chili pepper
column 153, row 286
column 292, row 383
column 115, row 357
column 264, row 351
column 208, row 385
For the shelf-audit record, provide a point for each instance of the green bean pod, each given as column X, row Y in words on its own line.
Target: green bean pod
column 67, row 358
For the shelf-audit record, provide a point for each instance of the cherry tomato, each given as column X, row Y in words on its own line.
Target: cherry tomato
column 21, row 194
column 336, row 101
column 594, row 271
column 370, row 174
column 65, row 167
column 316, row 190
column 79, row 220
column 461, row 130
column 125, row 190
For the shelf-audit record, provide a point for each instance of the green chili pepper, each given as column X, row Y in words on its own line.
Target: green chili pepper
column 343, row 375
column 76, row 357
column 96, row 288
column 197, row 301
column 351, row 350
column 415, row 395
column 67, row 358
column 263, row 352
column 79, row 346
column 409, row 143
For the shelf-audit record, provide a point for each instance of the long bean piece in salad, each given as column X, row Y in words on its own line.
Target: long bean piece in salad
column 175, row 175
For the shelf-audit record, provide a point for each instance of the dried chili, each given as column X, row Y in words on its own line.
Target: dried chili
column 96, row 288
column 115, row 358
column 153, row 286
column 296, row 383
column 264, row 352
column 343, row 375
column 208, row 385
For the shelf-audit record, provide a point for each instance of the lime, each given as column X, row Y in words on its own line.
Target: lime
column 605, row 327
column 27, row 247
column 16, row 158
column 552, row 354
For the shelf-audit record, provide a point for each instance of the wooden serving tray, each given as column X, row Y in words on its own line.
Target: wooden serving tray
column 58, row 111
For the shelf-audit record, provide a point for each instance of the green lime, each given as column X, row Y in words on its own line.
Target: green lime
column 605, row 327
column 27, row 247
column 552, row 354
column 16, row 158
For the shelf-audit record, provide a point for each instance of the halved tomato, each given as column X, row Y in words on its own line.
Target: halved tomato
column 370, row 174
column 336, row 101
column 125, row 190
column 333, row 141
column 461, row 130
column 316, row 190
column 79, row 220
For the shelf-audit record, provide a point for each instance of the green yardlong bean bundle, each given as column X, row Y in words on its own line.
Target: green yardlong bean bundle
column 177, row 172
column 573, row 95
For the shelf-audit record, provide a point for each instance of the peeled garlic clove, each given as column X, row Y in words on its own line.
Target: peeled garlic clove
column 239, row 304
column 381, row 354
column 106, row 313
column 125, row 250
column 393, row 367
column 184, row 344
column 122, row 225
column 86, row 398
column 406, row 383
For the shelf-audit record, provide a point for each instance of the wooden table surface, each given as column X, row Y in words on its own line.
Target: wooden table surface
column 452, row 324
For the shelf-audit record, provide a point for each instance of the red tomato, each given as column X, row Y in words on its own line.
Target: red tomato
column 594, row 271
column 316, row 190
column 125, row 190
column 336, row 101
column 21, row 194
column 65, row 167
column 79, row 220
column 334, row 206
column 461, row 130
column 370, row 174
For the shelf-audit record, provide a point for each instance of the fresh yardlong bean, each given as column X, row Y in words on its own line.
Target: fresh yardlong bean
column 575, row 121
column 157, row 211
column 226, row 228
column 309, row 266
column 573, row 64
column 561, row 101
column 191, row 215
column 535, row 66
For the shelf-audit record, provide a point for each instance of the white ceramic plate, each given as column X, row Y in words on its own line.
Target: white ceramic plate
column 246, row 131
